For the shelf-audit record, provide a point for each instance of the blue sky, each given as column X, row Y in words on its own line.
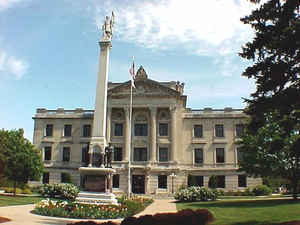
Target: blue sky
column 49, row 51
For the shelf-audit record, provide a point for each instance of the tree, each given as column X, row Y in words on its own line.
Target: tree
column 275, row 52
column 20, row 158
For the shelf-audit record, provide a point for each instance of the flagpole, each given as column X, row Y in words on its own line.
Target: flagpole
column 130, row 135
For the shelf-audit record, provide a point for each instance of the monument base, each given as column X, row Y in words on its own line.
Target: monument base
column 97, row 198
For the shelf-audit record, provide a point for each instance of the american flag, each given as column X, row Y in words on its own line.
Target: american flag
column 132, row 73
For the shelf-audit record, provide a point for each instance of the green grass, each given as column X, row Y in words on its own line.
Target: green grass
column 249, row 212
column 17, row 200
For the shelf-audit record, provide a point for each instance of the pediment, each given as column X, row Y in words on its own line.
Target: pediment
column 144, row 87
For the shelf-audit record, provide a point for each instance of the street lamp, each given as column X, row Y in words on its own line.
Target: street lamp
column 173, row 175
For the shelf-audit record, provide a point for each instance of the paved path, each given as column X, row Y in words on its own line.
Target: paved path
column 21, row 214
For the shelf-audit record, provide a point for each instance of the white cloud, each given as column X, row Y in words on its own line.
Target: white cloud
column 10, row 66
column 5, row 4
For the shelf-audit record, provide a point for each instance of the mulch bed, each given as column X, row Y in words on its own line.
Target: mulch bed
column 3, row 219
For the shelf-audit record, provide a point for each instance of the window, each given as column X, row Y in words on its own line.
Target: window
column 198, row 131
column 239, row 155
column 85, row 155
column 46, row 178
column 66, row 154
column 220, row 155
column 65, row 178
column 163, row 155
column 141, row 129
column 49, row 130
column 163, row 129
column 86, row 130
column 220, row 181
column 118, row 129
column 68, row 130
column 116, row 181
column 219, row 130
column 118, row 154
column 140, row 154
column 47, row 153
column 242, row 180
column 239, row 129
column 198, row 157
column 195, row 181
column 162, row 181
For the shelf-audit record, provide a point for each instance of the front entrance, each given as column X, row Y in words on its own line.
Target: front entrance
column 138, row 184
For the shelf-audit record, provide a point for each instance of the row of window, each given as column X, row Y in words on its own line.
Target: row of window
column 163, row 180
column 140, row 154
column 141, row 129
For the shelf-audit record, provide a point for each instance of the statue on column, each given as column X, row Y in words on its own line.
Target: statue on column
column 107, row 27
column 108, row 155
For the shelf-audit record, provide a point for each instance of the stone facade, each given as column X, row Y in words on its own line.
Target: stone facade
column 172, row 146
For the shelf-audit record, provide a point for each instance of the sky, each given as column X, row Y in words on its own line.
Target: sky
column 49, row 52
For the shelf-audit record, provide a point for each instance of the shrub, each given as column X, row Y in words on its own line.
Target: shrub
column 193, row 193
column 12, row 190
column 65, row 191
column 261, row 190
column 213, row 182
column 27, row 191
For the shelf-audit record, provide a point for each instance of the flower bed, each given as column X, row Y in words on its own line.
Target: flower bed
column 128, row 207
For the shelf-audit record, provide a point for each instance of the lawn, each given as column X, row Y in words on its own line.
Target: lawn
column 249, row 212
column 18, row 200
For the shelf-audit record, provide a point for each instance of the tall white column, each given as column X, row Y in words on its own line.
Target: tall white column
column 153, row 111
column 99, row 124
column 108, row 124
column 173, row 133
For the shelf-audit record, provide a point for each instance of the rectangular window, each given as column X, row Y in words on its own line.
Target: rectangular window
column 239, row 129
column 140, row 154
column 198, row 131
column 220, row 181
column 65, row 178
column 163, row 155
column 242, row 180
column 46, row 178
column 219, row 130
column 220, row 155
column 141, row 129
column 162, row 181
column 118, row 154
column 163, row 129
column 68, row 130
column 86, row 130
column 85, row 155
column 239, row 155
column 198, row 157
column 118, row 129
column 47, row 153
column 49, row 130
column 116, row 181
column 195, row 181
column 66, row 154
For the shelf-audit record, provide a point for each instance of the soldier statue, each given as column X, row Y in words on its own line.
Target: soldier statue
column 108, row 155
column 107, row 27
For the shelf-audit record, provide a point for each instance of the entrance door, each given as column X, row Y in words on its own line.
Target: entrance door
column 138, row 184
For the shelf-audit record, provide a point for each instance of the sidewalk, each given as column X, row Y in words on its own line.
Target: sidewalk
column 21, row 214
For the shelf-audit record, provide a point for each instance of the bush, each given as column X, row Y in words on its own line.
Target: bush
column 12, row 190
column 27, row 191
column 64, row 191
column 213, row 182
column 192, row 194
column 261, row 190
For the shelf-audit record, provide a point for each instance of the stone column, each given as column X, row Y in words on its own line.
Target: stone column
column 173, row 133
column 153, row 111
column 109, row 179
column 127, row 134
column 108, row 124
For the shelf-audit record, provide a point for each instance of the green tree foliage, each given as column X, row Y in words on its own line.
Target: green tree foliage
column 271, row 143
column 20, row 158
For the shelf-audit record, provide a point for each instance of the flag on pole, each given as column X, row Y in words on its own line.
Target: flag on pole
column 132, row 73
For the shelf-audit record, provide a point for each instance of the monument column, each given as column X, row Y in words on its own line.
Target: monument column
column 173, row 133
column 153, row 111
column 127, row 134
column 108, row 124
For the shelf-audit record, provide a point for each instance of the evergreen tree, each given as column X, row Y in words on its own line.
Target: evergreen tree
column 274, row 106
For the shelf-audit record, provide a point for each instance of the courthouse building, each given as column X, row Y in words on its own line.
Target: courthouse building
column 172, row 145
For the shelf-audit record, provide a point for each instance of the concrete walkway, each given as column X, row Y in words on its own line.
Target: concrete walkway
column 21, row 214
